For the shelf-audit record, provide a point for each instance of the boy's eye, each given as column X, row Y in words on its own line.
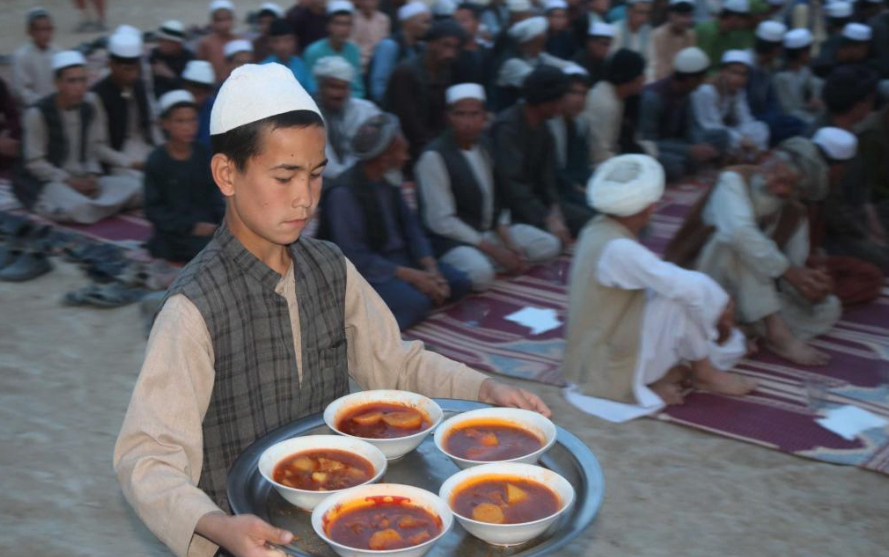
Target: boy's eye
column 282, row 180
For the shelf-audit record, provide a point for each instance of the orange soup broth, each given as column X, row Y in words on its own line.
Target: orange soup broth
column 490, row 440
column 536, row 501
column 355, row 523
column 323, row 470
column 374, row 420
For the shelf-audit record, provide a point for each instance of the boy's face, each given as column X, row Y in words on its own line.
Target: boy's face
column 283, row 46
column 278, row 191
column 598, row 47
column 334, row 93
column 575, row 100
column 340, row 27
column 41, row 31
column 558, row 20
column 467, row 118
column 239, row 59
column 467, row 20
column 125, row 73
column 222, row 21
column 264, row 22
column 638, row 14
column 71, row 85
column 168, row 47
column 418, row 25
column 735, row 76
column 181, row 124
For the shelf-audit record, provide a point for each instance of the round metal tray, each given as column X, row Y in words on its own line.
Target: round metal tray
column 428, row 468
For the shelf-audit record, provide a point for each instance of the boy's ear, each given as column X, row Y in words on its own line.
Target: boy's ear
column 223, row 170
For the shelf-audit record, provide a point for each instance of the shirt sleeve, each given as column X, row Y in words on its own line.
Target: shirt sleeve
column 159, row 452
column 604, row 120
column 22, row 83
column 380, row 359
column 382, row 64
column 439, row 208
column 35, row 147
column 706, row 112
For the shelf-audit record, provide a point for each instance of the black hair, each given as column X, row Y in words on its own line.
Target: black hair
column 794, row 54
column 122, row 60
column 583, row 79
column 58, row 73
column 681, row 8
column 847, row 86
column 244, row 142
column 477, row 10
column 266, row 12
column 177, row 106
column 280, row 27
column 762, row 46
column 34, row 18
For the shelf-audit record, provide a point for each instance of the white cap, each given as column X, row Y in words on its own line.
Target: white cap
column 172, row 30
column 798, row 38
column 518, row 6
column 599, row 29
column 124, row 44
column 335, row 67
column 838, row 10
column 217, row 5
column 255, row 92
column 272, row 7
column 34, row 13
column 128, row 29
column 737, row 57
column 857, row 32
column 444, row 8
column 555, row 5
column 771, row 31
column 173, row 98
column 411, row 9
column 66, row 59
column 574, row 69
column 626, row 185
column 462, row 91
column 527, row 29
column 239, row 45
column 737, row 6
column 335, row 6
column 837, row 143
column 691, row 60
column 199, row 71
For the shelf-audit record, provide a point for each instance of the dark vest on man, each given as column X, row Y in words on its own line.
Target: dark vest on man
column 27, row 187
column 256, row 388
column 116, row 108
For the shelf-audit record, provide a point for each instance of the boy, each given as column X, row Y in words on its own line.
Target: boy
column 32, row 75
column 262, row 314
column 169, row 58
column 181, row 200
column 282, row 43
column 337, row 43
column 212, row 47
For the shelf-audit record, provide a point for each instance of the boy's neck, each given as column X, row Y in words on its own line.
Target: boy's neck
column 180, row 150
column 275, row 256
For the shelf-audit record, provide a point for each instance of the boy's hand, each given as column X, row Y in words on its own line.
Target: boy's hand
column 244, row 535
column 501, row 394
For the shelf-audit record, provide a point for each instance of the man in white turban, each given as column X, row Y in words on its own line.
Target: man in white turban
column 530, row 39
column 641, row 330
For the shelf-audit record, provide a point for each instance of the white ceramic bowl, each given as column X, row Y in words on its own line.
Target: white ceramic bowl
column 417, row 496
column 392, row 448
column 510, row 534
column 306, row 499
column 532, row 421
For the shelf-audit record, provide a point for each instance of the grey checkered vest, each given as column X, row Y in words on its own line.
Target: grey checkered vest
column 256, row 387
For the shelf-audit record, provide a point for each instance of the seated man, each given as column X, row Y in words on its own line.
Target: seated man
column 797, row 88
column 871, row 170
column 669, row 39
column 32, row 75
column 181, row 200
column 634, row 31
column 61, row 179
column 595, row 51
column 762, row 93
column 752, row 236
column 414, row 18
column 530, row 39
column 666, row 115
column 337, row 43
column 365, row 214
column 169, row 58
column 211, row 47
column 849, row 93
column 459, row 200
column 560, row 41
column 343, row 113
column 729, row 30
column 636, row 323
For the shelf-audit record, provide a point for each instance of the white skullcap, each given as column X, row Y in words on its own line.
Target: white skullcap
column 168, row 100
column 66, row 59
column 555, row 5
column 239, row 45
column 518, row 6
column 527, row 29
column 335, row 67
column 34, row 13
column 462, row 91
column 335, row 6
column 798, row 38
column 574, row 69
column 172, row 30
column 272, row 7
column 444, row 8
column 857, row 32
column 737, row 6
column 124, row 44
column 737, row 57
column 199, row 71
column 771, row 31
column 837, row 143
column 691, row 60
column 838, row 10
column 128, row 29
column 255, row 92
column 217, row 5
column 626, row 185
column 411, row 9
column 599, row 29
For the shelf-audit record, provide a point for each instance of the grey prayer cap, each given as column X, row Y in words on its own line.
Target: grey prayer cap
column 374, row 136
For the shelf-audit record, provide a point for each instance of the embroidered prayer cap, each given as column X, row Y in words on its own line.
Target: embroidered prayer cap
column 599, row 29
column 737, row 57
column 857, row 32
column 66, row 59
column 172, row 30
column 217, row 5
column 340, row 6
column 798, row 38
column 626, row 185
column 125, row 44
column 174, row 99
column 837, row 143
column 255, row 92
column 771, row 31
column 35, row 13
column 545, row 84
column 691, row 60
column 334, row 67
column 444, row 8
column 528, row 29
column 199, row 71
column 456, row 93
column 518, row 6
column 737, row 6
column 233, row 47
column 271, row 8
column 838, row 10
column 411, row 9
column 555, row 5
column 374, row 136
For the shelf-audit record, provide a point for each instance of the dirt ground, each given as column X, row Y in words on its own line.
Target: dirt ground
column 66, row 375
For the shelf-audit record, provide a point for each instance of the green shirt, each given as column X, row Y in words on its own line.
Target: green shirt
column 715, row 42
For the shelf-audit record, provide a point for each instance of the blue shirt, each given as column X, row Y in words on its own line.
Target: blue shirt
column 350, row 53
column 299, row 69
column 386, row 57
column 204, row 121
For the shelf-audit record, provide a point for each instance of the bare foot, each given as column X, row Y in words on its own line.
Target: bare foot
column 752, row 347
column 671, row 387
column 798, row 352
column 708, row 378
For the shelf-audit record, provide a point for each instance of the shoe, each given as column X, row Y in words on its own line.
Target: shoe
column 27, row 266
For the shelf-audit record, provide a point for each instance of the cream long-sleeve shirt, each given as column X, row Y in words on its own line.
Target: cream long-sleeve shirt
column 32, row 75
column 36, row 145
column 158, row 455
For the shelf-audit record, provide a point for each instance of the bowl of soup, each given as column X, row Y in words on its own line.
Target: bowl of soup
column 395, row 422
column 306, row 470
column 495, row 435
column 382, row 519
column 507, row 503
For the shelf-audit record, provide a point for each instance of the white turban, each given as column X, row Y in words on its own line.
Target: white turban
column 527, row 29
column 626, row 185
column 336, row 67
